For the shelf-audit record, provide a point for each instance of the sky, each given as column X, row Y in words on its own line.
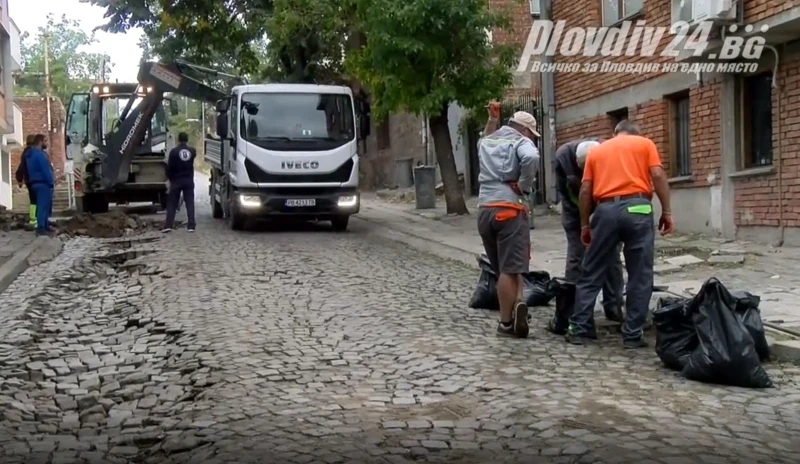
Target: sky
column 123, row 49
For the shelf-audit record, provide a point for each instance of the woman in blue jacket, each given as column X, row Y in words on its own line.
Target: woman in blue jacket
column 42, row 181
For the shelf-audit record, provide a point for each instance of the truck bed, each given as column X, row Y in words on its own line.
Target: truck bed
column 212, row 153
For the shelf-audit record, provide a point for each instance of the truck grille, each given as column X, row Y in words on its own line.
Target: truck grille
column 258, row 175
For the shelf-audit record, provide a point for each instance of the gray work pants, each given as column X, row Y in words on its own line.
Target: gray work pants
column 613, row 223
column 612, row 286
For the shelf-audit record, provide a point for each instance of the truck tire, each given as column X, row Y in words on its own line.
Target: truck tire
column 93, row 204
column 339, row 223
column 236, row 220
column 100, row 204
column 216, row 207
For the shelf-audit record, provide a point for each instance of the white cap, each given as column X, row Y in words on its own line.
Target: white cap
column 525, row 120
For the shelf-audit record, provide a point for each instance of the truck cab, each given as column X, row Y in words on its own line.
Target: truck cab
column 286, row 150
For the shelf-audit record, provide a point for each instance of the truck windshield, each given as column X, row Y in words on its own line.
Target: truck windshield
column 297, row 121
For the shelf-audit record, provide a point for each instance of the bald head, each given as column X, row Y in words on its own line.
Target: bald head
column 583, row 151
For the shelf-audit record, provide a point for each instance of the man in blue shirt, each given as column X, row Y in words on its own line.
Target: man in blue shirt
column 41, row 179
column 180, row 173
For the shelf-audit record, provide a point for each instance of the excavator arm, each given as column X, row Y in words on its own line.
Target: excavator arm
column 156, row 79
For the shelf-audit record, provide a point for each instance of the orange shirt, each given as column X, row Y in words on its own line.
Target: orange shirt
column 621, row 166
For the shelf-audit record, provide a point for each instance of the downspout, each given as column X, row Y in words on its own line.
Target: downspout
column 548, row 95
column 778, row 86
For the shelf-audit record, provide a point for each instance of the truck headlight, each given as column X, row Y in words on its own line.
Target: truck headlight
column 249, row 201
column 348, row 201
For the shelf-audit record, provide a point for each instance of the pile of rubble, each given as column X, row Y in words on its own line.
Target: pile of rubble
column 12, row 221
column 113, row 224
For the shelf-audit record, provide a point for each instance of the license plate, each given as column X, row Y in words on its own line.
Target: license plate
column 296, row 203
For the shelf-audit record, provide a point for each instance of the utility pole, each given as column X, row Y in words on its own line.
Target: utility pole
column 47, row 88
column 103, row 70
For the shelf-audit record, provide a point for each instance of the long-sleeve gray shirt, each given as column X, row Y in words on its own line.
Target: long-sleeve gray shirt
column 506, row 156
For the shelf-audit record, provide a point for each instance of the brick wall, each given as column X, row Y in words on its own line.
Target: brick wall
column 34, row 121
column 756, row 10
column 757, row 197
column 405, row 141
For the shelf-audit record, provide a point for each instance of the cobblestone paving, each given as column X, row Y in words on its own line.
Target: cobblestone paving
column 311, row 346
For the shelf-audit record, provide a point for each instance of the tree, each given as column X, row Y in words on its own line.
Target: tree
column 422, row 55
column 72, row 69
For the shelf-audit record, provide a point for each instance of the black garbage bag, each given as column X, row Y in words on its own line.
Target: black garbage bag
column 676, row 337
column 565, row 301
column 726, row 353
column 538, row 289
column 747, row 310
column 485, row 294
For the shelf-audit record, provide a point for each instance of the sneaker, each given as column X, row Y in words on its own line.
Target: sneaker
column 574, row 338
column 520, row 315
column 166, row 230
column 634, row 344
column 504, row 330
column 190, row 229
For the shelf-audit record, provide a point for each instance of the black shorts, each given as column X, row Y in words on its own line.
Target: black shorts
column 507, row 241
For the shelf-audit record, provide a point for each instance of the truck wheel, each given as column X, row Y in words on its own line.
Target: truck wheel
column 339, row 223
column 216, row 207
column 236, row 220
column 100, row 204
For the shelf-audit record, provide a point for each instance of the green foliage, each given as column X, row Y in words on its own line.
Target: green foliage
column 72, row 68
column 422, row 55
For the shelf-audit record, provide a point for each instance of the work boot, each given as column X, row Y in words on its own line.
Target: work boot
column 575, row 338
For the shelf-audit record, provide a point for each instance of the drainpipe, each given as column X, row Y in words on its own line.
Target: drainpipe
column 778, row 86
column 548, row 95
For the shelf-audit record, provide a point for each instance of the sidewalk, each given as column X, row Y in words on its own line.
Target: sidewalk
column 21, row 249
column 683, row 262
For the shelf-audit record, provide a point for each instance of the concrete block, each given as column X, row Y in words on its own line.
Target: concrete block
column 726, row 259
column 684, row 260
column 786, row 350
column 664, row 268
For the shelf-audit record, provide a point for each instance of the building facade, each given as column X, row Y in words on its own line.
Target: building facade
column 10, row 114
column 728, row 141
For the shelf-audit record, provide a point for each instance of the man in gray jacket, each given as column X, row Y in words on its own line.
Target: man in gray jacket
column 508, row 163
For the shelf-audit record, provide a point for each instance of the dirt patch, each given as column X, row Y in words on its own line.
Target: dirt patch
column 107, row 225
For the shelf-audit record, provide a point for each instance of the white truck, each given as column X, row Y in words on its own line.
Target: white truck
column 286, row 150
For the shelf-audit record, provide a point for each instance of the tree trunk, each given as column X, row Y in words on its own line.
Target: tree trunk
column 453, row 195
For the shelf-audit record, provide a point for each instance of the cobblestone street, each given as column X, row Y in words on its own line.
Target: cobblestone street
column 309, row 346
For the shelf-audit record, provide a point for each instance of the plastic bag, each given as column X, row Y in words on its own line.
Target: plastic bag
column 485, row 294
column 676, row 337
column 537, row 290
column 750, row 315
column 726, row 352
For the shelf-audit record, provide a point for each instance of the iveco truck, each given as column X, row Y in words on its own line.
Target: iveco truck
column 286, row 150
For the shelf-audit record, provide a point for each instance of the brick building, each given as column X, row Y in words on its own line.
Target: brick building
column 34, row 121
column 722, row 136
column 520, row 15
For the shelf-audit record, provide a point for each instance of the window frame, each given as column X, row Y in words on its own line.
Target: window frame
column 673, row 113
column 746, row 121
column 604, row 22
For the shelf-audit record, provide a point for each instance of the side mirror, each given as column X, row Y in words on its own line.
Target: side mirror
column 222, row 127
column 223, row 105
column 173, row 108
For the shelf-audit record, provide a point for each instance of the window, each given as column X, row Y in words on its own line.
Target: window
column 77, row 124
column 682, row 11
column 615, row 11
column 297, row 121
column 384, row 136
column 617, row 116
column 755, row 110
column 680, row 130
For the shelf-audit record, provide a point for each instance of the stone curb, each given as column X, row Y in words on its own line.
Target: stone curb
column 785, row 350
column 18, row 263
